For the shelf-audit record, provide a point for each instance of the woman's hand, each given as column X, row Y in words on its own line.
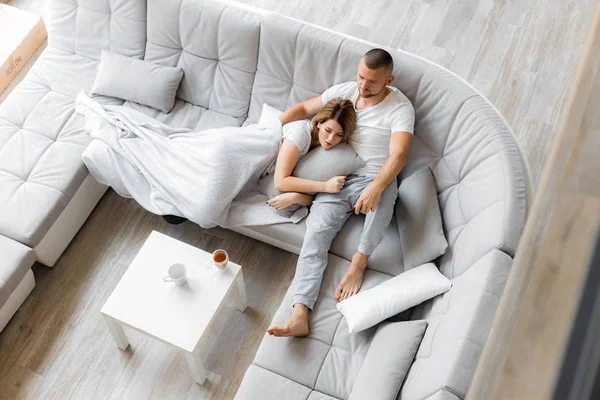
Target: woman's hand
column 283, row 200
column 335, row 184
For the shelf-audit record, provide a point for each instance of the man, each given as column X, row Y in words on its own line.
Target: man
column 385, row 121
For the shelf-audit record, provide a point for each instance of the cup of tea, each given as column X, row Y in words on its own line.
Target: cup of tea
column 176, row 274
column 220, row 258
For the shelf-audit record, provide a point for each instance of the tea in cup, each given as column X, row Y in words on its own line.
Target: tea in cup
column 220, row 258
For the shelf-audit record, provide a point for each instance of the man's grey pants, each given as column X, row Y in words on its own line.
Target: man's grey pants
column 328, row 214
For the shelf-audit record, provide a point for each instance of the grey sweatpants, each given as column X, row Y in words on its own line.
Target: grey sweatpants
column 328, row 214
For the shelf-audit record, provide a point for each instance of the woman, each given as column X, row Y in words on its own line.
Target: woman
column 331, row 126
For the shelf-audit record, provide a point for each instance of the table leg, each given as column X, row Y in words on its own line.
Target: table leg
column 196, row 367
column 241, row 302
column 117, row 332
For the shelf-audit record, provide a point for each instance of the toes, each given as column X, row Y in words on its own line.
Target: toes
column 338, row 293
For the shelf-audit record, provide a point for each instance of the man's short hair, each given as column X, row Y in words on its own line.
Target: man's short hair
column 377, row 58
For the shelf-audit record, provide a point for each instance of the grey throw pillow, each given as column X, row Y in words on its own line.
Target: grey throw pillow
column 317, row 165
column 420, row 220
column 137, row 80
column 388, row 359
column 321, row 165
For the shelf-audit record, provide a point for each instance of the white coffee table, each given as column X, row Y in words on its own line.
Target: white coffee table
column 176, row 315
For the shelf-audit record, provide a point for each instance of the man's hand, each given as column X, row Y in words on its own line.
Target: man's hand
column 369, row 199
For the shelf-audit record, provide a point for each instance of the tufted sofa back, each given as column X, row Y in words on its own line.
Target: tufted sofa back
column 217, row 47
column 86, row 27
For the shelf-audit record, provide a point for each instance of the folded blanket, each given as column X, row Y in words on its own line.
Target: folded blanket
column 209, row 177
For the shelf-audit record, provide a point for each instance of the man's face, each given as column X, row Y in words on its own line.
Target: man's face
column 371, row 82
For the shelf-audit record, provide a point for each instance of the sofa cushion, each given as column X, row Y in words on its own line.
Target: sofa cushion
column 215, row 44
column 388, row 359
column 260, row 383
column 459, row 323
column 86, row 27
column 328, row 360
column 16, row 260
column 419, row 219
column 137, row 80
column 41, row 141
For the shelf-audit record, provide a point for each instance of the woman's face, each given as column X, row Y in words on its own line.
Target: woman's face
column 330, row 133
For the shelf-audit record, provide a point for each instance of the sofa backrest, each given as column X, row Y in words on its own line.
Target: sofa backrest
column 480, row 176
column 86, row 27
column 215, row 44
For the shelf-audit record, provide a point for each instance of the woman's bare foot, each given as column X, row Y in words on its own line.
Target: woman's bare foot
column 296, row 325
column 353, row 279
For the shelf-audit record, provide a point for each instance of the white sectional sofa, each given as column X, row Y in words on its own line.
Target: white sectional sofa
column 235, row 58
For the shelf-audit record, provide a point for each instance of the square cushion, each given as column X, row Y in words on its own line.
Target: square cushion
column 419, row 219
column 137, row 80
column 14, row 264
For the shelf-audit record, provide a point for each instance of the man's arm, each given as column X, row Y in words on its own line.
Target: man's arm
column 302, row 110
column 370, row 197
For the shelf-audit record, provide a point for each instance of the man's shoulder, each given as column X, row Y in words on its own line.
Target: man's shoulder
column 343, row 86
column 400, row 101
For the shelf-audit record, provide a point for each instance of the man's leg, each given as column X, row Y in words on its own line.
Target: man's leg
column 327, row 216
column 375, row 226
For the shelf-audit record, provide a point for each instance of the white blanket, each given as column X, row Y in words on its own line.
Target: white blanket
column 209, row 177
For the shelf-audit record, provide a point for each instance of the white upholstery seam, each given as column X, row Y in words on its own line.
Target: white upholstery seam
column 284, row 81
column 283, row 376
column 180, row 50
column 328, row 351
column 50, row 187
column 8, row 201
column 454, row 120
column 97, row 11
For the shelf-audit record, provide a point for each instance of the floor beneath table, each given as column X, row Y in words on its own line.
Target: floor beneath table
column 521, row 54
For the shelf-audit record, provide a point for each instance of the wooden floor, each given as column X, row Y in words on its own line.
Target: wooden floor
column 520, row 54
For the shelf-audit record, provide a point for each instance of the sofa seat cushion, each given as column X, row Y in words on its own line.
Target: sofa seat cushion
column 41, row 141
column 329, row 359
column 187, row 115
column 387, row 257
column 16, row 260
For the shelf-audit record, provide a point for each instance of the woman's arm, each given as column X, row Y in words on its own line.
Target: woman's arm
column 286, row 162
column 302, row 110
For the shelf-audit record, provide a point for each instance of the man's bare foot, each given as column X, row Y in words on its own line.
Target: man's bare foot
column 296, row 325
column 353, row 279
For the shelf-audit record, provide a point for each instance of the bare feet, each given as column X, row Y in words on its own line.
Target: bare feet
column 296, row 325
column 353, row 279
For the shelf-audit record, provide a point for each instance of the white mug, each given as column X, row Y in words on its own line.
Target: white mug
column 176, row 274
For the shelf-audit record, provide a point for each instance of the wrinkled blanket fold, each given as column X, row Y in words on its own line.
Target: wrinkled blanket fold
column 209, row 177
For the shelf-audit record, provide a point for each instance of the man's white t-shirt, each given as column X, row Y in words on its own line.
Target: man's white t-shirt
column 374, row 125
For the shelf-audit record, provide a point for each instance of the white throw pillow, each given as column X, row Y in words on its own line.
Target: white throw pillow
column 391, row 297
column 136, row 80
column 269, row 118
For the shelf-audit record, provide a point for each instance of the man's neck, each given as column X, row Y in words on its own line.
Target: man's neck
column 362, row 102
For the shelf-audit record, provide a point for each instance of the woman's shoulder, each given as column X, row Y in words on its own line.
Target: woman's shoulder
column 299, row 133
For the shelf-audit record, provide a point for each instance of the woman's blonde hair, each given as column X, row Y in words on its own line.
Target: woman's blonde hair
column 342, row 111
